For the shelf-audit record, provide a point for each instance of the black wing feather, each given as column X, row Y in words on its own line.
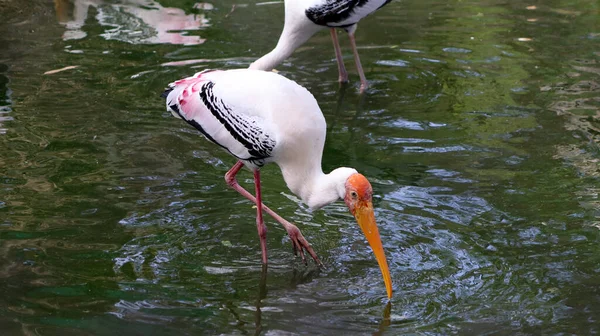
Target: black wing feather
column 240, row 129
column 335, row 11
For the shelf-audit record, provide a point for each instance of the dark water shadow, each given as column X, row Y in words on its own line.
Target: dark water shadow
column 342, row 92
column 386, row 321
column 338, row 108
column 359, row 111
column 262, row 293
column 294, row 279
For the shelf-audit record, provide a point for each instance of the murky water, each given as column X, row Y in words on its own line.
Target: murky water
column 480, row 134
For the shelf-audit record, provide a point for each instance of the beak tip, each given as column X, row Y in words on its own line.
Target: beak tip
column 389, row 290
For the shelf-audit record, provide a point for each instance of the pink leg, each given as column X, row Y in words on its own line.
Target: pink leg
column 299, row 243
column 260, row 224
column 338, row 55
column 363, row 80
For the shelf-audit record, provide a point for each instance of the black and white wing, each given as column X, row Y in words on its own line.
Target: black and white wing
column 342, row 13
column 242, row 134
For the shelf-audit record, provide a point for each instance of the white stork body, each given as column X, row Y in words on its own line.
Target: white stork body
column 261, row 117
column 303, row 18
column 282, row 124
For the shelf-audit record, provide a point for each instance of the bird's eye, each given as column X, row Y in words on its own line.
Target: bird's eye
column 353, row 194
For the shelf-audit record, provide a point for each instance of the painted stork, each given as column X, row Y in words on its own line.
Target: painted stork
column 303, row 18
column 261, row 117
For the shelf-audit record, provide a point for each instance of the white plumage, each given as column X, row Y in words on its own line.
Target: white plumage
column 283, row 110
column 261, row 117
column 303, row 18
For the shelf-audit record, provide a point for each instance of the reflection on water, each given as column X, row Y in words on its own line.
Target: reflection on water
column 5, row 101
column 480, row 134
column 132, row 21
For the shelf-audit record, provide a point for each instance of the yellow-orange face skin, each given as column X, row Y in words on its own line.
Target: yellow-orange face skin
column 359, row 199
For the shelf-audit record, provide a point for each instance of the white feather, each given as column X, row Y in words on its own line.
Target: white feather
column 284, row 110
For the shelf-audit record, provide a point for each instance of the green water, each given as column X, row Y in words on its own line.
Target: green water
column 479, row 133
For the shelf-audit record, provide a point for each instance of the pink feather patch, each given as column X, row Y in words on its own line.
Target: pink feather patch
column 190, row 105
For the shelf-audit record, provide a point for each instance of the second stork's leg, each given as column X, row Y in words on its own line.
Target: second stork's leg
column 343, row 78
column 299, row 243
column 359, row 68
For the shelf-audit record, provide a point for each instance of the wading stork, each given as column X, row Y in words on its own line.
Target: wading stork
column 303, row 18
column 261, row 117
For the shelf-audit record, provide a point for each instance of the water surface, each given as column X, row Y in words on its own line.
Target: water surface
column 479, row 134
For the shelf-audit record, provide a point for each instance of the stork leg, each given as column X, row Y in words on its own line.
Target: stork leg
column 299, row 243
column 361, row 73
column 338, row 55
column 260, row 223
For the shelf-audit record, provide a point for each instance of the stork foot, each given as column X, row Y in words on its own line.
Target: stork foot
column 363, row 87
column 299, row 243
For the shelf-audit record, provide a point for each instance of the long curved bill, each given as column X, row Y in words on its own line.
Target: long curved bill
column 366, row 220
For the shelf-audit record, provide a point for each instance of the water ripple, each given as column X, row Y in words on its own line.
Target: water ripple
column 460, row 209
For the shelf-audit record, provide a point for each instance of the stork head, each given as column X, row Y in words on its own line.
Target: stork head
column 359, row 199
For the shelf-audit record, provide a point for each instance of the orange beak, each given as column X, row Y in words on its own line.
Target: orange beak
column 366, row 220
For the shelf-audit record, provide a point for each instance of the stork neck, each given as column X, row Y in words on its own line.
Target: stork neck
column 296, row 30
column 269, row 61
column 320, row 189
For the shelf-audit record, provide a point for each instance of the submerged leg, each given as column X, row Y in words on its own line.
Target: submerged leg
column 338, row 55
column 361, row 73
column 298, row 241
column 260, row 224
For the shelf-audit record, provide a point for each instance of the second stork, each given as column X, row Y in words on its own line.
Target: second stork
column 303, row 18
